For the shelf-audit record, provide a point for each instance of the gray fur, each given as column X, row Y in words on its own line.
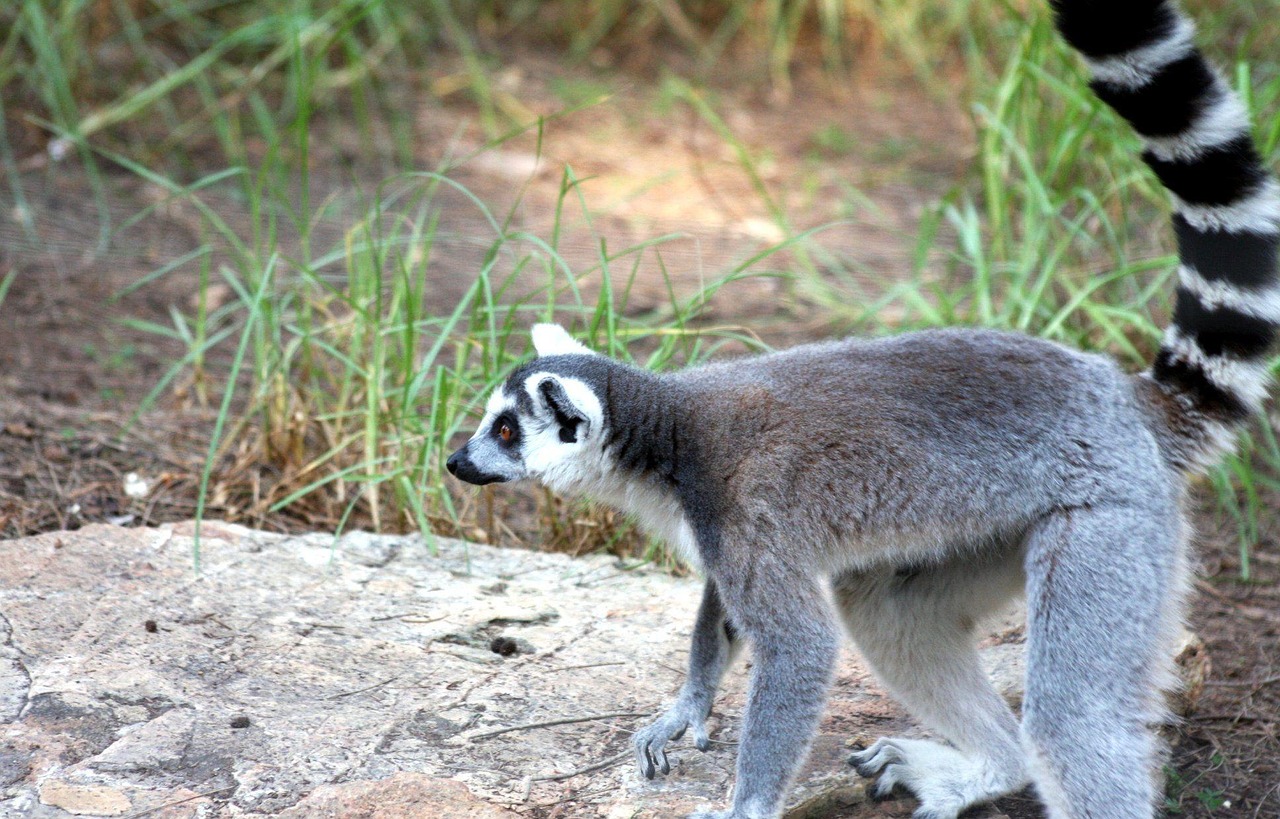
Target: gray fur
column 714, row 646
column 905, row 487
column 908, row 486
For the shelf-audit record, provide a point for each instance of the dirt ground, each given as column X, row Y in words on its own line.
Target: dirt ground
column 72, row 372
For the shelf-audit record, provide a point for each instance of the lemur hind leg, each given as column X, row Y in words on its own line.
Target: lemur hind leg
column 785, row 615
column 915, row 628
column 1104, row 592
column 713, row 648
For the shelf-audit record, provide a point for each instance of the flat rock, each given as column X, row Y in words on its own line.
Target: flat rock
column 367, row 676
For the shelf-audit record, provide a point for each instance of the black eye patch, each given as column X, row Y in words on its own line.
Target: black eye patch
column 506, row 429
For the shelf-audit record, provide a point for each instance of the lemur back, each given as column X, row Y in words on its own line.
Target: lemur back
column 964, row 435
column 906, row 487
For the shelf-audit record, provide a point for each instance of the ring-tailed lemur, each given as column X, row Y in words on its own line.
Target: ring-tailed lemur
column 907, row 486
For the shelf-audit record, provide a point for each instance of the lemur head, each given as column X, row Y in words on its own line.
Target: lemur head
column 546, row 421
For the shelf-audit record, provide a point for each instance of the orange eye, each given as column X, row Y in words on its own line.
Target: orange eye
column 504, row 432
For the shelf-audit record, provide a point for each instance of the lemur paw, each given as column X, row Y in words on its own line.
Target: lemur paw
column 711, row 814
column 651, row 742
column 944, row 780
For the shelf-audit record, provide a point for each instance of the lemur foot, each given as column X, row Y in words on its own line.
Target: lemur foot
column 944, row 780
column 712, row 814
column 651, row 742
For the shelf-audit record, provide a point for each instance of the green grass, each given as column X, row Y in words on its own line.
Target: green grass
column 1050, row 236
column 108, row 70
column 334, row 394
column 345, row 390
column 1181, row 791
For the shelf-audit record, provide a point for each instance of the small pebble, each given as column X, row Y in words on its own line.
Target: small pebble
column 240, row 722
column 504, row 646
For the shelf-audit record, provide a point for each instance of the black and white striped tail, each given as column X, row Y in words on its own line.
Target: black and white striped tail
column 1226, row 205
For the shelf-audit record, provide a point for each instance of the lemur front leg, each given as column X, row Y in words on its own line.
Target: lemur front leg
column 786, row 616
column 713, row 648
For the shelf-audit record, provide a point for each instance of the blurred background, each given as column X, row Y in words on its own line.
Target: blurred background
column 263, row 261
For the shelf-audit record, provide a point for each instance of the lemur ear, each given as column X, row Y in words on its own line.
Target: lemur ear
column 571, row 418
column 552, row 339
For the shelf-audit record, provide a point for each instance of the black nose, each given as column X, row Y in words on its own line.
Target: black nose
column 463, row 468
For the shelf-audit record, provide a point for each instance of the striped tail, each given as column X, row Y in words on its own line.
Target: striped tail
column 1212, row 365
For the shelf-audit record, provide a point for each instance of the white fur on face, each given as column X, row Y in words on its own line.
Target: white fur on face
column 564, row 467
column 498, row 403
column 569, row 467
column 485, row 451
column 580, row 468
column 586, row 468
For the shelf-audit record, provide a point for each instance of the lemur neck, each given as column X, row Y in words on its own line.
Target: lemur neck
column 644, row 422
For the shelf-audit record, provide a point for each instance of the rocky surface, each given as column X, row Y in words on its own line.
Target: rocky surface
column 365, row 676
